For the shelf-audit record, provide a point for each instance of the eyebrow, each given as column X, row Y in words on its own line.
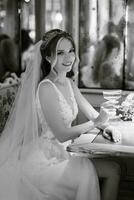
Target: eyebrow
column 64, row 50
column 60, row 50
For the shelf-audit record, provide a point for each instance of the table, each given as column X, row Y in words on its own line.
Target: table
column 93, row 144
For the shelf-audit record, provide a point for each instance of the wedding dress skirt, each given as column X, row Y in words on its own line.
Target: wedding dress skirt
column 38, row 181
column 48, row 172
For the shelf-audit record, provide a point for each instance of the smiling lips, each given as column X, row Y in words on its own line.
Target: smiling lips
column 67, row 64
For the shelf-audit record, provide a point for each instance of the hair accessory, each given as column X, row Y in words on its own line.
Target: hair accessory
column 48, row 36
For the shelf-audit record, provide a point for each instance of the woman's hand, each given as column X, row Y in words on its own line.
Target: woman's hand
column 112, row 134
column 102, row 118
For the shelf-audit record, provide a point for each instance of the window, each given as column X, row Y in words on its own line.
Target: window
column 102, row 30
column 106, row 44
column 28, row 17
column 55, row 10
column 9, row 18
column 2, row 15
column 61, row 14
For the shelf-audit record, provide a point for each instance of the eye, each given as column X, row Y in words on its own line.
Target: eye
column 71, row 50
column 60, row 53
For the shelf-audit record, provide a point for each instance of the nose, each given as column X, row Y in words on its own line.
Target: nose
column 68, row 56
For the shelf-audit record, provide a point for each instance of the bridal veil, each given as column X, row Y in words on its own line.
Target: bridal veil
column 22, row 126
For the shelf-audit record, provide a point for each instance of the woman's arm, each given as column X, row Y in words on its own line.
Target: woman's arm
column 108, row 131
column 51, row 109
column 88, row 110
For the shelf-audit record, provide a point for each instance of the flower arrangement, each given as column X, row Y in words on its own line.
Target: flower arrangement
column 126, row 110
column 126, row 113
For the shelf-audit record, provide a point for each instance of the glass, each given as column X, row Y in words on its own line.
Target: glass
column 112, row 95
column 112, row 101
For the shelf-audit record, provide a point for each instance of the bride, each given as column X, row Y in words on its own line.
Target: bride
column 34, row 164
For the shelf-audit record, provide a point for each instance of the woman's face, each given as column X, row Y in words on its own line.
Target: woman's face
column 65, row 56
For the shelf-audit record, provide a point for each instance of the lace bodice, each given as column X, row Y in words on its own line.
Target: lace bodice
column 68, row 114
column 52, row 148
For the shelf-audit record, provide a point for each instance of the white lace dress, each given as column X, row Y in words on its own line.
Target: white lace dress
column 54, row 150
column 49, row 173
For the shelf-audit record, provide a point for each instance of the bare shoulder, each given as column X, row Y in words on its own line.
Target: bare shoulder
column 46, row 90
column 44, row 85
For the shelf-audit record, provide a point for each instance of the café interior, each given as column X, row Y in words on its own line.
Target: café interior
column 90, row 22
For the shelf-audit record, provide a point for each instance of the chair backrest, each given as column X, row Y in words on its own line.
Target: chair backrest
column 7, row 97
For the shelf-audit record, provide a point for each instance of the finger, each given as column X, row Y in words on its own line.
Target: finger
column 106, row 135
column 116, row 138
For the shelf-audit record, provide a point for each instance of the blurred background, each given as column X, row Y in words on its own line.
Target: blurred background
column 102, row 30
